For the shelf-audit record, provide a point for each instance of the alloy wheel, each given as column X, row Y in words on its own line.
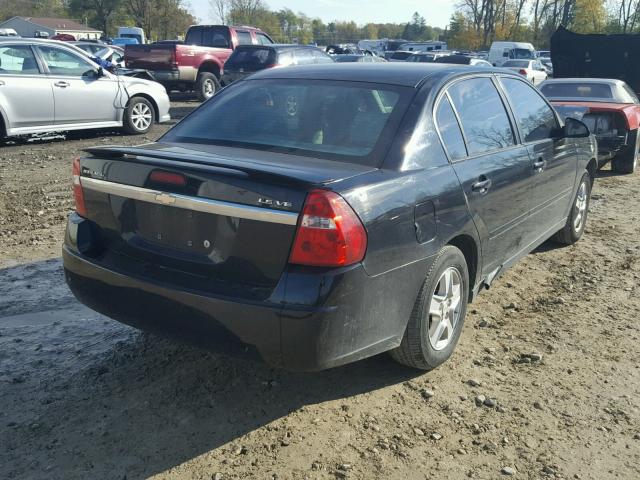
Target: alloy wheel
column 141, row 116
column 444, row 308
column 580, row 207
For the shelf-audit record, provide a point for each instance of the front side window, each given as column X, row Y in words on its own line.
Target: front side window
column 263, row 39
column 341, row 121
column 18, row 60
column 535, row 118
column 449, row 129
column 61, row 62
column 484, row 119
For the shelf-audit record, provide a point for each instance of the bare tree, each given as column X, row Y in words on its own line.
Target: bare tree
column 221, row 9
column 628, row 15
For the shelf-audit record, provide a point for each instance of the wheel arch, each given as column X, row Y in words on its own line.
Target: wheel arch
column 156, row 110
column 211, row 67
column 592, row 168
column 469, row 248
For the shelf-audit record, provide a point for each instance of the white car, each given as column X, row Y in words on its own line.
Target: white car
column 48, row 86
column 532, row 69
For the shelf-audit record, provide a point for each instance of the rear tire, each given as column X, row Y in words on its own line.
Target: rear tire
column 577, row 221
column 422, row 346
column 627, row 161
column 207, row 85
column 139, row 116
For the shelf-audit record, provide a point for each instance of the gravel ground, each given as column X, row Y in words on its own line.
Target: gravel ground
column 545, row 382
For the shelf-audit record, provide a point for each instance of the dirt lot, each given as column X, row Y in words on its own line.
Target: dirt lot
column 545, row 382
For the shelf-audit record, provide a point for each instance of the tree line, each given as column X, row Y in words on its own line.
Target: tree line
column 161, row 19
column 475, row 24
column 479, row 22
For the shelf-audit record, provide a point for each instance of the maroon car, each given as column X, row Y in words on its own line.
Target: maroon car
column 197, row 64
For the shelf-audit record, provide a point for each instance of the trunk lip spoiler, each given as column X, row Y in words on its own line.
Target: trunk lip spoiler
column 217, row 207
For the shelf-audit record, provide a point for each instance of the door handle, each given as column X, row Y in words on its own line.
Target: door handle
column 482, row 185
column 62, row 84
column 539, row 164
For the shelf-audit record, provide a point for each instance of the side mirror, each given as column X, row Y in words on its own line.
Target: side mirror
column 575, row 129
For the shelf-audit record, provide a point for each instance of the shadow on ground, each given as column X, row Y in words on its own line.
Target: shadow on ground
column 86, row 397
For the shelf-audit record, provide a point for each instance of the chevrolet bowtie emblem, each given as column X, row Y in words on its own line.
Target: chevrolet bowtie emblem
column 165, row 199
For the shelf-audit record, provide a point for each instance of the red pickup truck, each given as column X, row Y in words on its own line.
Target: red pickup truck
column 197, row 63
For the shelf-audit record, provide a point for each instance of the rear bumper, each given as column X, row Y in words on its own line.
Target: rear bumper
column 314, row 319
column 176, row 75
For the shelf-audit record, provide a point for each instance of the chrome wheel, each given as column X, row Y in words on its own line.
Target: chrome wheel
column 208, row 88
column 444, row 308
column 580, row 207
column 141, row 116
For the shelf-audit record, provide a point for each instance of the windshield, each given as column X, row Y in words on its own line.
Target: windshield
column 347, row 58
column 516, row 64
column 567, row 90
column 421, row 58
column 523, row 53
column 345, row 121
column 401, row 55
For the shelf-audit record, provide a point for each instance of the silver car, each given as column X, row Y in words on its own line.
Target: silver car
column 48, row 86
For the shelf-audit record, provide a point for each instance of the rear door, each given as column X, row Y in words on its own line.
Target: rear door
column 553, row 161
column 80, row 96
column 494, row 171
column 26, row 95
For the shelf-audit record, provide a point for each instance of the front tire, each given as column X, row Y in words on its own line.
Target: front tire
column 139, row 116
column 627, row 161
column 438, row 314
column 207, row 85
column 577, row 221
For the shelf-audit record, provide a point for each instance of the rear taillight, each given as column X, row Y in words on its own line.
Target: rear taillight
column 329, row 234
column 522, row 71
column 78, row 194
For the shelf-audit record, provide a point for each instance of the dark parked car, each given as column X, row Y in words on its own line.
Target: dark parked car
column 248, row 59
column 333, row 213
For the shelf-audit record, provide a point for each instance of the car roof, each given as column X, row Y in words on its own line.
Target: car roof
column 408, row 74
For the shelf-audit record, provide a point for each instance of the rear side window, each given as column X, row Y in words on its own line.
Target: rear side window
column 244, row 38
column 304, row 56
column 321, row 57
column 535, row 118
column 484, row 119
column 449, row 129
column 18, row 60
column 516, row 64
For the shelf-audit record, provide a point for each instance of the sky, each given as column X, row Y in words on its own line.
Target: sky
column 436, row 12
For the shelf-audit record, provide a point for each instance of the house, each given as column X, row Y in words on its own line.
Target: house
column 48, row 27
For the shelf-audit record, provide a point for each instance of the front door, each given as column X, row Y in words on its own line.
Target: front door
column 495, row 173
column 554, row 161
column 25, row 91
column 80, row 95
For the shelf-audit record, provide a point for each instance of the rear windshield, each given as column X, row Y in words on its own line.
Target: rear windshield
column 218, row 37
column 343, row 121
column 577, row 90
column 523, row 53
column 401, row 55
column 516, row 64
column 251, row 59
column 421, row 58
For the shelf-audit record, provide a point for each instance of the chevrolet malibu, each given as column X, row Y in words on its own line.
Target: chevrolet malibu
column 319, row 215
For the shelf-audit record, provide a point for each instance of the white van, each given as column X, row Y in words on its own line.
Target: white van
column 132, row 32
column 500, row 52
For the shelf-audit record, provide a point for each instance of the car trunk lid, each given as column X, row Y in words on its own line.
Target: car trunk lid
column 220, row 222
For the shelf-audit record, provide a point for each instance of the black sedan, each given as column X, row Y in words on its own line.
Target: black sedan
column 323, row 214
